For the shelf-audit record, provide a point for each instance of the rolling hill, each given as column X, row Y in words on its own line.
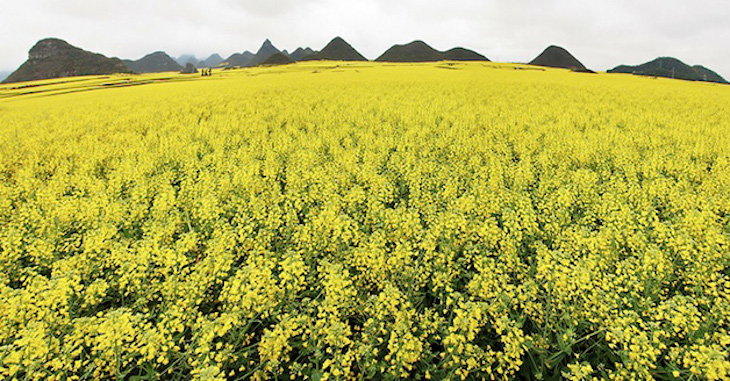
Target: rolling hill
column 156, row 62
column 419, row 51
column 670, row 67
column 416, row 51
column 238, row 59
column 277, row 59
column 461, row 54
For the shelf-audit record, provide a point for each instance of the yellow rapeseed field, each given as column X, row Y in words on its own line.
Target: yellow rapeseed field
column 328, row 221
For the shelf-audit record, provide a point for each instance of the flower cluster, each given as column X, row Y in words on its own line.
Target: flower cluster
column 363, row 221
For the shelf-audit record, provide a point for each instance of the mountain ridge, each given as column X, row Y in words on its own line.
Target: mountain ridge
column 54, row 58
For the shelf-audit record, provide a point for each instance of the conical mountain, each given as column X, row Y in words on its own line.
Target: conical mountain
column 239, row 59
column 416, row 51
column 55, row 58
column 266, row 50
column 300, row 53
column 337, row 50
column 211, row 61
column 419, row 51
column 156, row 62
column 671, row 68
column 555, row 56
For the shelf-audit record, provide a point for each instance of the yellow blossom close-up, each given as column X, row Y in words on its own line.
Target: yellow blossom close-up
column 362, row 220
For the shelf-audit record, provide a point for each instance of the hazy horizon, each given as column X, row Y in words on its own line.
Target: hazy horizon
column 601, row 35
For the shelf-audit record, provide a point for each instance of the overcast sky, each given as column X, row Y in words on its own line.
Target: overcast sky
column 601, row 34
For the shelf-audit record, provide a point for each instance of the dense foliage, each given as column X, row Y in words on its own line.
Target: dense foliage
column 443, row 221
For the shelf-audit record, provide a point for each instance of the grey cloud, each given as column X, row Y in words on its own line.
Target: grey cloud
column 601, row 34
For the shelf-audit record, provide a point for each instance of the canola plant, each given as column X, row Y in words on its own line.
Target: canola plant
column 332, row 221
